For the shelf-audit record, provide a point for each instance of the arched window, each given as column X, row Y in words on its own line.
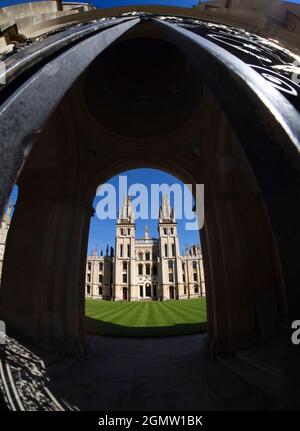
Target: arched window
column 194, row 264
column 100, row 290
column 89, row 266
column 100, row 278
column 124, row 266
column 140, row 256
column 101, row 266
column 170, row 264
column 147, row 256
column 196, row 288
column 140, row 269
column 88, row 289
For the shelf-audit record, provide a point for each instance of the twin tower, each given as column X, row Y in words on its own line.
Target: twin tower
column 146, row 268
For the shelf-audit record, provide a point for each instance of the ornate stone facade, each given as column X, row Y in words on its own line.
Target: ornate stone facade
column 147, row 268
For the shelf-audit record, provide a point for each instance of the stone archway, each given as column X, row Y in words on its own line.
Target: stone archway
column 209, row 144
column 65, row 211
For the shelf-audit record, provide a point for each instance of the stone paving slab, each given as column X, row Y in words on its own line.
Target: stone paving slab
column 138, row 374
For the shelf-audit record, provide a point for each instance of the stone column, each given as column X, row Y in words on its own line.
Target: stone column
column 218, row 325
column 42, row 294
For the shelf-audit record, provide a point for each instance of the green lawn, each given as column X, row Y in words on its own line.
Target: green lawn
column 146, row 319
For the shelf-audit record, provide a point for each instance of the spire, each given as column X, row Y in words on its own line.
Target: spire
column 126, row 213
column 147, row 232
column 107, row 250
column 95, row 251
column 166, row 212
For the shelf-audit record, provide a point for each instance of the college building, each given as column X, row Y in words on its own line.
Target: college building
column 146, row 268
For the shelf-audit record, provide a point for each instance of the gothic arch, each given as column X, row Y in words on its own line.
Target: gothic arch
column 251, row 177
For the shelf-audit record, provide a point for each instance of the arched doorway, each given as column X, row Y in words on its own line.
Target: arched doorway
column 148, row 289
column 243, row 224
column 228, row 218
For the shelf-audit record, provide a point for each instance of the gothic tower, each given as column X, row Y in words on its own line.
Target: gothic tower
column 124, row 268
column 171, row 285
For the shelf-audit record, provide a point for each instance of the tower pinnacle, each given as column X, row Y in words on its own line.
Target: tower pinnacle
column 126, row 213
column 166, row 212
column 146, row 232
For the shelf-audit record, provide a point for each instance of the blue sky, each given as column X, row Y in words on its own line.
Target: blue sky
column 111, row 3
column 102, row 232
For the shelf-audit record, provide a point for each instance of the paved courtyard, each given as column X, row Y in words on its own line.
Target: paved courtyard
column 129, row 374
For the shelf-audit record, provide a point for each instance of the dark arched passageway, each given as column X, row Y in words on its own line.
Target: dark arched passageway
column 209, row 119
